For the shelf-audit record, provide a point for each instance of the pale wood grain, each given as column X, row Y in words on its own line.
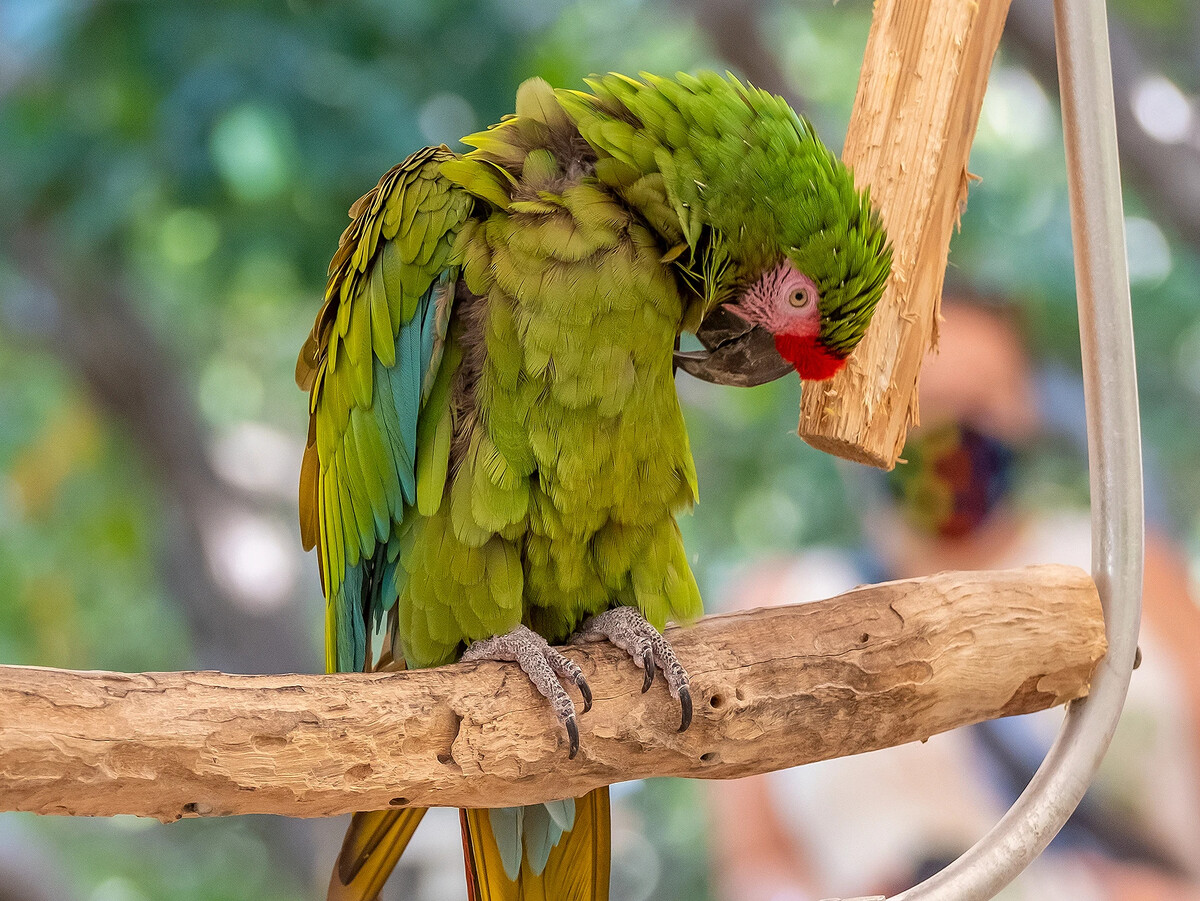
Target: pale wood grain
column 878, row 666
column 923, row 78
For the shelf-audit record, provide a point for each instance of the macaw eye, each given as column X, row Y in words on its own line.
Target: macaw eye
column 800, row 297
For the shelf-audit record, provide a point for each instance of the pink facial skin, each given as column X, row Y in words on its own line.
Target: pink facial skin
column 786, row 303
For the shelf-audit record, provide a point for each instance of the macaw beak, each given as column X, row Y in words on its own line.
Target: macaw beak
column 735, row 352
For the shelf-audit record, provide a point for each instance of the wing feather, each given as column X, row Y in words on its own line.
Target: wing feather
column 381, row 320
column 374, row 353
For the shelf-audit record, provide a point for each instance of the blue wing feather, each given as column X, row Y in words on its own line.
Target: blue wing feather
column 351, row 631
column 397, row 409
column 359, row 475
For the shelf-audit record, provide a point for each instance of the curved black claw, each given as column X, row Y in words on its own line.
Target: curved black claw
column 573, row 735
column 544, row 666
column 648, row 664
column 585, row 690
column 685, row 701
column 627, row 629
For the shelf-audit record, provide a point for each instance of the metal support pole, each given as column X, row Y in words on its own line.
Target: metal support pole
column 1114, row 450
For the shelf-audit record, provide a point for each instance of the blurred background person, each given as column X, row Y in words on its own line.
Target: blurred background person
column 882, row 821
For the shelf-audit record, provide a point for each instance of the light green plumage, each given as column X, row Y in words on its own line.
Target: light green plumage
column 588, row 231
column 578, row 436
column 496, row 437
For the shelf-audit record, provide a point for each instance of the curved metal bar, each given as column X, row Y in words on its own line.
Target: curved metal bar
column 1114, row 447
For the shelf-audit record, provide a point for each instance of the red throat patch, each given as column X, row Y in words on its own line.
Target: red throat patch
column 810, row 358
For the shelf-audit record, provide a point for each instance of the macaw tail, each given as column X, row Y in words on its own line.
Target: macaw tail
column 373, row 844
column 575, row 868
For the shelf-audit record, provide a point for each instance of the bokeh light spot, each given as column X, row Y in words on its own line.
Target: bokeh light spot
column 767, row 520
column 117, row 888
column 446, row 118
column 229, row 391
column 252, row 557
column 257, row 457
column 1148, row 251
column 1016, row 112
column 253, row 150
column 1162, row 110
column 188, row 236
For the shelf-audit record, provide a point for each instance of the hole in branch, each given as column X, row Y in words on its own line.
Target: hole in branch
column 399, row 802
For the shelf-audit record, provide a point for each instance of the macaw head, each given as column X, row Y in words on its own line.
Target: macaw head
column 800, row 297
column 790, row 257
column 785, row 258
column 773, row 327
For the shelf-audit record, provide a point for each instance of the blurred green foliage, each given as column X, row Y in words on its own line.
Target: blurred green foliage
column 201, row 157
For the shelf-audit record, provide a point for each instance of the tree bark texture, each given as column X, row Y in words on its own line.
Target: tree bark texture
column 924, row 73
column 775, row 687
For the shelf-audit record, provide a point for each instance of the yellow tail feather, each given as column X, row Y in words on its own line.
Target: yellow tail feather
column 373, row 844
column 578, row 868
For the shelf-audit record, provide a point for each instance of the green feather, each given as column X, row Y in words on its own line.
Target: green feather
column 391, row 267
column 372, row 460
column 483, row 181
column 521, row 457
column 432, row 464
column 383, row 340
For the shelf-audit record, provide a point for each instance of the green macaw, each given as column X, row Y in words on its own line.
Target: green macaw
column 496, row 452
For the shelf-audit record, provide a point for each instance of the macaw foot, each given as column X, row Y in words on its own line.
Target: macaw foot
column 543, row 665
column 626, row 628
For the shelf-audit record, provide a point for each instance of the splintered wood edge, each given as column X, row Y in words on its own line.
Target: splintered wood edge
column 848, row 450
column 924, row 74
column 878, row 666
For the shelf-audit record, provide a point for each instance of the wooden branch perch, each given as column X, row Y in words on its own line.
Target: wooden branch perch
column 875, row 667
column 923, row 78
